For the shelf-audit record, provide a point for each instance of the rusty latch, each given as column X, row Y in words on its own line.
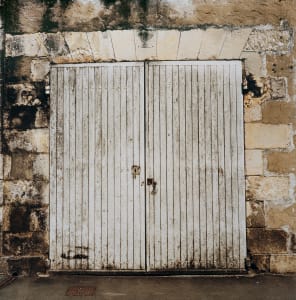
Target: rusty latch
column 136, row 170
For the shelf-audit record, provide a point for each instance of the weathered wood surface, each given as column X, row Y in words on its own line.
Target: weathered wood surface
column 183, row 125
column 97, row 134
column 196, row 217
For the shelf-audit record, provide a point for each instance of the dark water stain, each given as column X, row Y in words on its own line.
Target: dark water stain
column 22, row 117
column 10, row 11
column 252, row 86
column 47, row 23
column 76, row 256
column 124, row 6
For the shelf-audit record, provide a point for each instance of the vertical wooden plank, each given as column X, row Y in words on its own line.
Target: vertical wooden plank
column 66, row 176
column 188, row 166
column 110, row 170
column 117, row 177
column 221, row 168
column 195, row 166
column 228, row 168
column 136, row 162
column 98, row 168
column 78, row 167
column 72, row 221
column 130, row 158
column 241, row 177
column 156, row 167
column 234, row 158
column 60, row 167
column 163, row 188
column 176, row 164
column 170, row 162
column 91, row 192
column 142, row 152
column 182, row 165
column 215, row 176
column 123, row 170
column 105, row 167
column 53, row 167
column 202, row 166
column 149, row 169
column 209, row 173
column 85, row 169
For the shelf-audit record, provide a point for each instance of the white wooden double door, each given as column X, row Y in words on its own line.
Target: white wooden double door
column 147, row 167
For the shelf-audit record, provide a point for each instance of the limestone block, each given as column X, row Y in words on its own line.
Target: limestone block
column 265, row 136
column 262, row 241
column 254, row 162
column 55, row 44
column 26, row 166
column 260, row 263
column 41, row 167
column 19, row 165
column 281, row 162
column 190, row 42
column 267, row 188
column 124, row 44
column 24, row 191
column 6, row 166
column 41, row 118
column 35, row 140
column 79, row 46
column 277, row 41
column 1, row 166
column 3, row 261
column 253, row 63
column 278, row 87
column 25, row 244
column 1, row 38
column 101, row 45
column 167, row 44
column 279, row 216
column 234, row 43
column 255, row 214
column 25, row 218
column 212, row 43
column 1, row 194
column 39, row 69
column 283, row 263
column 27, row 265
column 279, row 112
column 253, row 113
column 145, row 42
column 38, row 219
column 26, row 45
column 23, row 94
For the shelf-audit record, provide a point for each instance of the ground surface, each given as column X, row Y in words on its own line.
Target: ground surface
column 192, row 287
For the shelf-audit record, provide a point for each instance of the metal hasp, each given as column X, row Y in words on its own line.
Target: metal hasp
column 136, row 170
column 150, row 181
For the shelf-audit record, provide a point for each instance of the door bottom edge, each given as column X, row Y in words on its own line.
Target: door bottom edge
column 210, row 272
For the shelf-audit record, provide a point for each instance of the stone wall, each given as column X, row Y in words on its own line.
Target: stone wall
column 42, row 33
